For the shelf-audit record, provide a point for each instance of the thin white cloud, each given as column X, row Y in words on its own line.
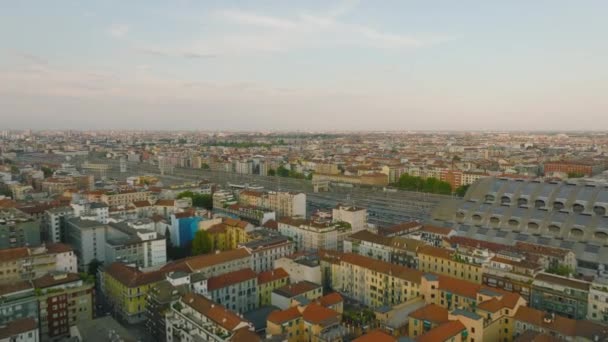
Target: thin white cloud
column 118, row 31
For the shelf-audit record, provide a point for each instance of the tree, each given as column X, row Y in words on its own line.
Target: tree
column 205, row 166
column 47, row 171
column 272, row 172
column 93, row 267
column 461, row 190
column 560, row 270
column 201, row 244
column 576, row 175
column 282, row 171
column 198, row 200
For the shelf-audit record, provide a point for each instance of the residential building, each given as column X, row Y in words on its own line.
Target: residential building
column 355, row 216
column 93, row 211
column 301, row 268
column 160, row 296
column 282, row 296
column 101, row 329
column 564, row 296
column 64, row 300
column 556, row 327
column 20, row 330
column 287, row 204
column 17, row 301
column 451, row 263
column 195, row 317
column 425, row 319
column 597, row 307
column 142, row 247
column 229, row 234
column 18, row 229
column 397, row 250
column 450, row 331
column 266, row 250
column 432, row 235
column 54, row 223
column 88, row 239
column 124, row 198
column 306, row 322
column 211, row 265
column 314, row 235
column 268, row 281
column 372, row 282
column 125, row 289
column 24, row 263
column 237, row 290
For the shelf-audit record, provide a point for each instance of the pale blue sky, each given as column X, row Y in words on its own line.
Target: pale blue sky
column 517, row 64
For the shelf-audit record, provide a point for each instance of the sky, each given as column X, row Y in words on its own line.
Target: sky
column 304, row 65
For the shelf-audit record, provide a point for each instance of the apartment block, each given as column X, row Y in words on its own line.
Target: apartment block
column 18, row 301
column 266, row 250
column 451, row 263
column 564, row 296
column 237, row 291
column 25, row 263
column 195, row 317
column 125, row 289
column 64, row 300
column 282, row 296
column 268, row 281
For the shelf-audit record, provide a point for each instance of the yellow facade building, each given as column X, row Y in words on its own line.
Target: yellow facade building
column 126, row 289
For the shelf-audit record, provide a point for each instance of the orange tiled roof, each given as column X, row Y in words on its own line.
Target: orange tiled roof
column 282, row 316
column 431, row 312
column 331, row 299
column 10, row 254
column 131, row 276
column 215, row 312
column 376, row 336
column 230, row 278
column 272, row 275
column 443, row 332
column 317, row 314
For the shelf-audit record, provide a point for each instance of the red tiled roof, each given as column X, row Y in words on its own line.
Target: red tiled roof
column 56, row 248
column 398, row 271
column 317, row 314
column 376, row 336
column 215, row 312
column 271, row 224
column 443, row 332
column 16, row 327
column 272, row 275
column 459, row 286
column 436, row 230
column 13, row 253
column 14, row 286
column 230, row 278
column 331, row 299
column 431, row 312
column 206, row 260
column 131, row 276
column 282, row 316
column 49, row 280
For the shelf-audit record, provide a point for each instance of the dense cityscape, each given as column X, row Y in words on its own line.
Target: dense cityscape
column 303, row 171
column 303, row 236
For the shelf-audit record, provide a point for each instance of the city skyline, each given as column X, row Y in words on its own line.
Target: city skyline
column 346, row 66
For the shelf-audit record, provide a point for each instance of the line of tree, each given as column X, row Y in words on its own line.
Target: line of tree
column 430, row 185
column 282, row 171
column 461, row 190
column 198, row 200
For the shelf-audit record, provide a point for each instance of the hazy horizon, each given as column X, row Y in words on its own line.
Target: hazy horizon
column 316, row 66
